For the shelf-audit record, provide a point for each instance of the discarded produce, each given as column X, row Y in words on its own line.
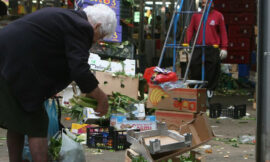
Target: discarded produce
column 54, row 148
column 118, row 103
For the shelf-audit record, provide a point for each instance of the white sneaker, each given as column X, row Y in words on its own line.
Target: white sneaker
column 210, row 93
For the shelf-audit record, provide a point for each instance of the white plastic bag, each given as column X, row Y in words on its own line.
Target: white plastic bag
column 71, row 151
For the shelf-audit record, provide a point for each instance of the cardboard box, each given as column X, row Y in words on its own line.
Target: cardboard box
column 235, row 75
column 97, row 64
column 201, row 133
column 121, row 123
column 140, row 112
column 178, row 99
column 256, row 30
column 174, row 119
column 254, row 105
column 89, row 113
column 255, row 101
column 80, row 128
column 234, row 68
column 129, row 154
column 125, row 85
column 200, row 129
column 183, row 56
column 253, row 75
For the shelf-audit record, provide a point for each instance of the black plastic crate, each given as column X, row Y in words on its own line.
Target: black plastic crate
column 106, row 138
column 242, row 110
column 237, row 111
column 215, row 110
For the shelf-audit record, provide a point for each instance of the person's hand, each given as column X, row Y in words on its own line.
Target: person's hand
column 102, row 99
column 223, row 54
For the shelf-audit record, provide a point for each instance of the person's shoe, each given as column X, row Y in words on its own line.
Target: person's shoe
column 210, row 93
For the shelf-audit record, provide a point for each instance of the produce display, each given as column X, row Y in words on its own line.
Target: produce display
column 118, row 103
column 124, row 50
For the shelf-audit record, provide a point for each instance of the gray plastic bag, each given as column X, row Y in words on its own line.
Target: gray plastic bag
column 71, row 151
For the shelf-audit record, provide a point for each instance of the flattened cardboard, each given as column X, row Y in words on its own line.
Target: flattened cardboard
column 122, row 84
column 129, row 154
column 174, row 119
column 201, row 133
column 164, row 140
column 178, row 99
column 200, row 129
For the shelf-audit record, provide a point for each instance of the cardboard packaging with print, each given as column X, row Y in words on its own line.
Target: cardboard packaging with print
column 178, row 99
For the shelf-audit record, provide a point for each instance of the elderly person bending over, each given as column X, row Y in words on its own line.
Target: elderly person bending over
column 41, row 54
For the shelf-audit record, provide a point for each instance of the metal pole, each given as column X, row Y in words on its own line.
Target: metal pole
column 194, row 43
column 169, row 31
column 174, row 40
column 141, row 28
column 163, row 25
column 38, row 4
column 203, row 48
column 153, row 23
column 263, row 89
column 189, row 6
column 29, row 6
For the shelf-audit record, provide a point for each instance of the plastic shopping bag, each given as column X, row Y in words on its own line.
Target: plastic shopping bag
column 148, row 73
column 26, row 150
column 53, row 127
column 53, row 119
column 158, row 75
column 71, row 151
column 64, row 148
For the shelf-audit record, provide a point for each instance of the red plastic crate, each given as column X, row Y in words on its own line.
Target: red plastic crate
column 242, row 19
column 243, row 1
column 253, row 44
column 248, row 18
column 226, row 18
column 234, row 19
column 233, row 44
column 240, row 31
column 234, row 6
column 219, row 1
column 248, row 6
column 244, row 44
column 230, row 6
column 222, row 6
column 238, row 57
column 239, row 44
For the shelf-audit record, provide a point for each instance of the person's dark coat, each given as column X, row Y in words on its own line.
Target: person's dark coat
column 43, row 52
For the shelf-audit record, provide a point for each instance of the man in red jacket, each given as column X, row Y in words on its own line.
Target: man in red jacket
column 216, row 42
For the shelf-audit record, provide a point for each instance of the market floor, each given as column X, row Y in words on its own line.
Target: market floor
column 224, row 147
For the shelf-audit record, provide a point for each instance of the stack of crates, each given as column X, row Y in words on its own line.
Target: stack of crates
column 240, row 18
column 177, row 106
